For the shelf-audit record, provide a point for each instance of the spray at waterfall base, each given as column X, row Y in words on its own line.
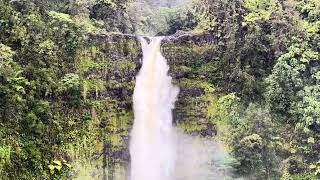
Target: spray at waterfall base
column 158, row 151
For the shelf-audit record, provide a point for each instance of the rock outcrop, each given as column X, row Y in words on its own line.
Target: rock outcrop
column 182, row 50
column 112, row 62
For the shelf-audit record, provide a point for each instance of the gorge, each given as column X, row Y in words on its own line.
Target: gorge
column 247, row 71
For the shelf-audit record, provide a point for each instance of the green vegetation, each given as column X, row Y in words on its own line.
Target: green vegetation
column 263, row 64
column 65, row 96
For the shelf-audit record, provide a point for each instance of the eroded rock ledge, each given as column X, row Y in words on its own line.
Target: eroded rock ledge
column 119, row 56
column 178, row 37
column 189, row 37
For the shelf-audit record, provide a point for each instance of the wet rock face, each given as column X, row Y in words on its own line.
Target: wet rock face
column 103, row 123
column 181, row 37
column 117, row 93
column 192, row 92
column 114, row 61
column 121, row 54
column 192, row 46
column 210, row 131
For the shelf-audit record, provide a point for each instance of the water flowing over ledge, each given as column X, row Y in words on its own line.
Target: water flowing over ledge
column 178, row 37
column 152, row 146
column 158, row 150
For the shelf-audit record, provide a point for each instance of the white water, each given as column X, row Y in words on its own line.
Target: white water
column 152, row 146
column 158, row 151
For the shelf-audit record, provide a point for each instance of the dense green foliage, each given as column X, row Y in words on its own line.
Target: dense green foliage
column 271, row 59
column 65, row 97
column 50, row 106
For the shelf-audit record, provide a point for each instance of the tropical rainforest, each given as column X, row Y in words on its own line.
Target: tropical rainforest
column 248, row 72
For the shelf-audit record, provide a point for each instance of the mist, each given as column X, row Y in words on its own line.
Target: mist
column 151, row 17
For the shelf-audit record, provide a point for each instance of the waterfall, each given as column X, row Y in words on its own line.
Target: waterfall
column 152, row 145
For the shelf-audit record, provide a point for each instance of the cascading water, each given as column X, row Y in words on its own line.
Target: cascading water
column 159, row 151
column 152, row 146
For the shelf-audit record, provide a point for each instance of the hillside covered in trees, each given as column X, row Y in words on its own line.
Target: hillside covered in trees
column 249, row 74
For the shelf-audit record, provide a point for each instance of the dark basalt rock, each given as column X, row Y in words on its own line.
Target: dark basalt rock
column 122, row 153
column 183, row 117
column 184, row 36
column 177, row 75
column 210, row 131
column 118, row 93
column 194, row 92
column 103, row 123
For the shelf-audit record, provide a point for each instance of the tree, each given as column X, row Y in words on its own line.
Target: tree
column 253, row 139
